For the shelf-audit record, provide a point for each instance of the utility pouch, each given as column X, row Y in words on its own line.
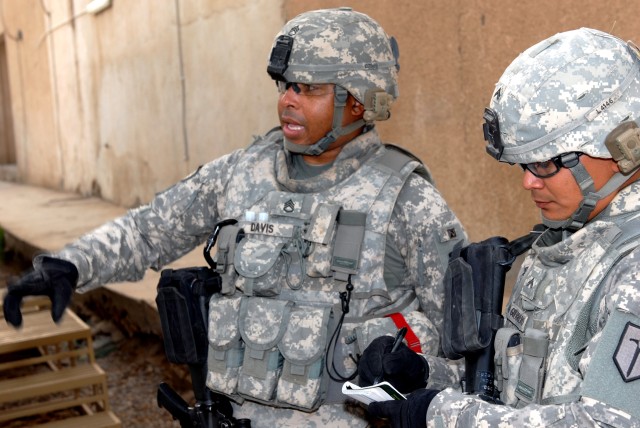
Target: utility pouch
column 226, row 350
column 183, row 300
column 346, row 251
column 301, row 384
column 262, row 325
column 534, row 353
column 260, row 266
column 508, row 358
column 321, row 232
column 228, row 238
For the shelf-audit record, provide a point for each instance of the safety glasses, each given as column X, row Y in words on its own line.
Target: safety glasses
column 304, row 89
column 551, row 167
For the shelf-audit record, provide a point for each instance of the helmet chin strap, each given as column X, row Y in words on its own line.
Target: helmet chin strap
column 589, row 198
column 337, row 130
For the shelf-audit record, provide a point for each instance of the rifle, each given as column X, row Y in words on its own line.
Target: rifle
column 474, row 291
column 183, row 305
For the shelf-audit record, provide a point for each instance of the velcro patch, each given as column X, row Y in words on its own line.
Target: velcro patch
column 517, row 316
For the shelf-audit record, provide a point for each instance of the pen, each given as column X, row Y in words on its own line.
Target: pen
column 399, row 338
column 396, row 344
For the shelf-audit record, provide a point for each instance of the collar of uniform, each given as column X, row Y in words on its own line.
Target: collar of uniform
column 353, row 155
column 626, row 201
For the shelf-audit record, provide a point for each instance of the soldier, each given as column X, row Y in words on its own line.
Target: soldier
column 335, row 231
column 566, row 110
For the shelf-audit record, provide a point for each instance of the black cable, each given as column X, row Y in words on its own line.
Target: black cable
column 345, row 298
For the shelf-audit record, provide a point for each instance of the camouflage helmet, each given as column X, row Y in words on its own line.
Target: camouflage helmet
column 564, row 94
column 338, row 46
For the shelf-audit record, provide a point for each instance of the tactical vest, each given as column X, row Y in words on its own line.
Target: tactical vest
column 553, row 311
column 286, row 265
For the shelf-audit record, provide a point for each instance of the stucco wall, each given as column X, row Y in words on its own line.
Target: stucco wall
column 451, row 55
column 128, row 101
column 98, row 100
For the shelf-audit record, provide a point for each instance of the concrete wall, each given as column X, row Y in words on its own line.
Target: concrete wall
column 451, row 55
column 125, row 102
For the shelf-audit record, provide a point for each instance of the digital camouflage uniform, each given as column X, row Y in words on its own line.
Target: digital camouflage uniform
column 568, row 352
column 282, row 283
column 181, row 218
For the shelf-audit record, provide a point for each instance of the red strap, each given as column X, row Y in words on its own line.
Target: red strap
column 412, row 340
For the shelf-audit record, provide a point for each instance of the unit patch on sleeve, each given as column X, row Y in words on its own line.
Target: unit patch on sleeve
column 613, row 375
column 626, row 355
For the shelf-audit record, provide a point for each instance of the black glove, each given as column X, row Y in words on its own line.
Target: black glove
column 54, row 278
column 404, row 369
column 409, row 413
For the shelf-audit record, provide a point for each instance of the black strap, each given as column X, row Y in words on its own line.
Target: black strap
column 522, row 244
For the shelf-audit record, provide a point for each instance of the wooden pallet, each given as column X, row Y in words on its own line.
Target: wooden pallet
column 76, row 386
column 62, row 373
column 104, row 419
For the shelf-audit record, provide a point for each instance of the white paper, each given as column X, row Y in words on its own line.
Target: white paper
column 382, row 391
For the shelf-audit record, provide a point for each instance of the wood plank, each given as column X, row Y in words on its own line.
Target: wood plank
column 46, row 383
column 38, row 329
column 46, row 407
column 73, row 355
column 98, row 420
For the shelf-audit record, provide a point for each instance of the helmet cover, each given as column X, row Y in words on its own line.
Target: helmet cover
column 342, row 47
column 565, row 94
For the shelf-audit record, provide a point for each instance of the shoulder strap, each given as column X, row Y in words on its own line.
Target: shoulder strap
column 523, row 243
column 395, row 158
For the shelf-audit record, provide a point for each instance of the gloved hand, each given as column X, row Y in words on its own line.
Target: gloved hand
column 404, row 369
column 409, row 413
column 55, row 278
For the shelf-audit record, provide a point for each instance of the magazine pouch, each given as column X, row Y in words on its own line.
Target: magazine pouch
column 262, row 325
column 508, row 358
column 303, row 347
column 226, row 349
column 531, row 380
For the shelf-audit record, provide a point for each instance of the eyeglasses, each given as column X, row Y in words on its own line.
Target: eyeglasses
column 551, row 167
column 305, row 89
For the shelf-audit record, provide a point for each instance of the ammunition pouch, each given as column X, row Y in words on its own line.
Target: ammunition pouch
column 267, row 350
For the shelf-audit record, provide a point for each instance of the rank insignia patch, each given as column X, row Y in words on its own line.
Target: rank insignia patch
column 627, row 355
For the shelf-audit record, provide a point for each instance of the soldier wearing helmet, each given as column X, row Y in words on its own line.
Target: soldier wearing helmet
column 332, row 238
column 567, row 111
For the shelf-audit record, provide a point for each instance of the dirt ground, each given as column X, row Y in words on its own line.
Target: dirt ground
column 135, row 366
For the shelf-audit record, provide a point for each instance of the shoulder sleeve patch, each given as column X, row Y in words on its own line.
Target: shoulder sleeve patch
column 613, row 376
column 626, row 355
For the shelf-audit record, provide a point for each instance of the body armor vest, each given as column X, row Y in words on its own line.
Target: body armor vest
column 286, row 265
column 551, row 315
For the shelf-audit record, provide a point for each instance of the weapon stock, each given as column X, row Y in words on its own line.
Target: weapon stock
column 174, row 404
